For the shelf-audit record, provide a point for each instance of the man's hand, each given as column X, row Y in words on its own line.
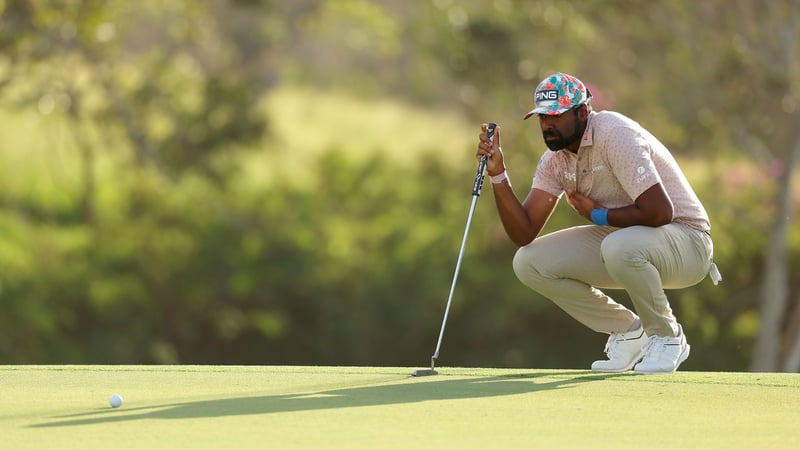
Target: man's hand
column 583, row 204
column 495, row 164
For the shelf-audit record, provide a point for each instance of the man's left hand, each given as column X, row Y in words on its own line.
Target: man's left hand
column 583, row 204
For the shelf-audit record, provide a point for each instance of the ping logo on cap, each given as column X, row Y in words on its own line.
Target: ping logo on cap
column 548, row 94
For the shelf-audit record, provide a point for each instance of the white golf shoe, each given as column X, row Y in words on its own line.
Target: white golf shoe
column 664, row 354
column 623, row 350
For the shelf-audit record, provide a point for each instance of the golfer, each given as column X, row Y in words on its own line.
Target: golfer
column 649, row 230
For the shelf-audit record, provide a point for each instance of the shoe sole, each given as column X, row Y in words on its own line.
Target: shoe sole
column 684, row 356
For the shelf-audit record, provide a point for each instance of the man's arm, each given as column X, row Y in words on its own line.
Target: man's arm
column 523, row 221
column 652, row 208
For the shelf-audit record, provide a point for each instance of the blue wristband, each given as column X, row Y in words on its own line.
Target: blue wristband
column 600, row 216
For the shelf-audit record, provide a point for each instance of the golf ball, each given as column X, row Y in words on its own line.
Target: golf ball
column 115, row 401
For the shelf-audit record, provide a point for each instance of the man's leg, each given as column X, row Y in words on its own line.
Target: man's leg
column 566, row 267
column 644, row 260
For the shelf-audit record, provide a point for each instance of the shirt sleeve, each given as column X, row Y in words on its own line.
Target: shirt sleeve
column 545, row 178
column 630, row 157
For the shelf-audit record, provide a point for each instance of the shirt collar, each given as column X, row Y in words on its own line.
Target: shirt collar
column 586, row 140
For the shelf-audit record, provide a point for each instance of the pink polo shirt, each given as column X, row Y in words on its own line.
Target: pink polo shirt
column 617, row 161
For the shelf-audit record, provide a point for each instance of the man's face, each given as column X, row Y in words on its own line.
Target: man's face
column 563, row 130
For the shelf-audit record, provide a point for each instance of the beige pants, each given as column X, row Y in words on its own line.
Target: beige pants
column 571, row 265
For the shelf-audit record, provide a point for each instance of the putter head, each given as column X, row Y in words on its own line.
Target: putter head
column 426, row 372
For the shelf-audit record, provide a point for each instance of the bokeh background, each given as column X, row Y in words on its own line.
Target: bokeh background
column 287, row 182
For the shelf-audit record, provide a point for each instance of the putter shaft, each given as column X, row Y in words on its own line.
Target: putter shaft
column 476, row 192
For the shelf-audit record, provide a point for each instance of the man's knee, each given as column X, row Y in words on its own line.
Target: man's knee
column 525, row 265
column 615, row 249
column 623, row 252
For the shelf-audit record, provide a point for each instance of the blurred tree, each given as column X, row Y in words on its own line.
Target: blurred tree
column 178, row 85
column 181, row 249
column 179, row 82
column 763, row 71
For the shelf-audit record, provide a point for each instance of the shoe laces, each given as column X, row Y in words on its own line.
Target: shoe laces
column 611, row 344
column 615, row 341
column 655, row 345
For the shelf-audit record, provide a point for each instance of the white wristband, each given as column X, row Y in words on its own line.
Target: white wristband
column 497, row 179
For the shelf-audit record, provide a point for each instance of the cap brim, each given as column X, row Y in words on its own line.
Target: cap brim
column 545, row 111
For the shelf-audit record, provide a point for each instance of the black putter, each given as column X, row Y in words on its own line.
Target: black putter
column 476, row 192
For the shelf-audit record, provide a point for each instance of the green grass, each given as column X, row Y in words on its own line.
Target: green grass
column 218, row 407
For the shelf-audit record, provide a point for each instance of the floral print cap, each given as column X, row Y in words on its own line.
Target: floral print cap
column 557, row 94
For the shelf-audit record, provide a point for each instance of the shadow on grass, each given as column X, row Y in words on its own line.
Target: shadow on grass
column 351, row 397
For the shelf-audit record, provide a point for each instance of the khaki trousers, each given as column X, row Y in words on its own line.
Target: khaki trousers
column 570, row 267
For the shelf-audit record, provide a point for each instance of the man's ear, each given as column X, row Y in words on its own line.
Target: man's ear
column 585, row 111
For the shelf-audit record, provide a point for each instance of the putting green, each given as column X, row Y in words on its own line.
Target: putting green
column 216, row 407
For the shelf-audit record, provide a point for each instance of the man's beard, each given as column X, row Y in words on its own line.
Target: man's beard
column 559, row 142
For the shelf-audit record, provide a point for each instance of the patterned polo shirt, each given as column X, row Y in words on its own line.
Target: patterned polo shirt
column 616, row 162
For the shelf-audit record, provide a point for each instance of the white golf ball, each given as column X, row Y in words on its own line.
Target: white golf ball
column 115, row 401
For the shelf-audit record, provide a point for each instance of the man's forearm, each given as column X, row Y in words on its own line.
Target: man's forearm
column 512, row 214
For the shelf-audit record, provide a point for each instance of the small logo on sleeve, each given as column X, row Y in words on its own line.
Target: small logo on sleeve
column 642, row 175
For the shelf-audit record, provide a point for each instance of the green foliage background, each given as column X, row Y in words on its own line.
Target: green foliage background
column 259, row 182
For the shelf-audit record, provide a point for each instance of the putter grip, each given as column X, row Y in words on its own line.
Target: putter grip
column 478, row 185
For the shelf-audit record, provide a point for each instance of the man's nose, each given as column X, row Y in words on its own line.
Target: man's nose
column 548, row 126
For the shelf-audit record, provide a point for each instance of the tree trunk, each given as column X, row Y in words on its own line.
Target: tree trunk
column 791, row 361
column 775, row 285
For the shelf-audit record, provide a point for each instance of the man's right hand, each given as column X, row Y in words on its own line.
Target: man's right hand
column 492, row 150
